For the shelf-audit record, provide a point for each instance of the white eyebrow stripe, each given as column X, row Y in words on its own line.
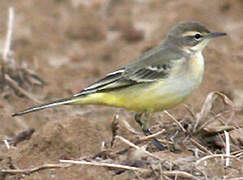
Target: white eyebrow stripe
column 190, row 33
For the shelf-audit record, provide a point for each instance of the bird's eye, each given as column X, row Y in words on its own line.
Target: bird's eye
column 197, row 36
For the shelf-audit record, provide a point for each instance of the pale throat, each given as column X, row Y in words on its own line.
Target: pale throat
column 196, row 62
column 197, row 59
column 197, row 66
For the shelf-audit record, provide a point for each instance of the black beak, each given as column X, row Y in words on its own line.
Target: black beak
column 215, row 34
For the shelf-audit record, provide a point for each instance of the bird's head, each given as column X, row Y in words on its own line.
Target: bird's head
column 191, row 36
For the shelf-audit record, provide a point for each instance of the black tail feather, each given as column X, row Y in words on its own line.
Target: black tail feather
column 44, row 106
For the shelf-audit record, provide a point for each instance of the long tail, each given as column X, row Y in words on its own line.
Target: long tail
column 47, row 105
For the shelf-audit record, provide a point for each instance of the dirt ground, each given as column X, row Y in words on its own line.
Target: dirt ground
column 71, row 43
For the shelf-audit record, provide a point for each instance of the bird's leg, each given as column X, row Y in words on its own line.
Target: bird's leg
column 138, row 119
column 146, row 130
column 146, row 124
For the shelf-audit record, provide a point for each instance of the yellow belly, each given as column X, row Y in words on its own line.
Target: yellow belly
column 139, row 98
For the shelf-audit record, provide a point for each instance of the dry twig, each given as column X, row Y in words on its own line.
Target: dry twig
column 8, row 60
column 177, row 122
column 192, row 113
column 9, row 35
column 146, row 138
column 215, row 156
column 207, row 106
column 114, row 128
column 21, row 90
column 35, row 169
column 227, row 147
column 182, row 174
column 105, row 165
column 129, row 127
column 237, row 153
column 7, row 45
column 137, row 147
column 6, row 143
column 204, row 149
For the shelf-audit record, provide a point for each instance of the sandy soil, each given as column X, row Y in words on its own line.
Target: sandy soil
column 69, row 44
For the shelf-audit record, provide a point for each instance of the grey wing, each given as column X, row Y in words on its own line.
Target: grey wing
column 154, row 65
column 123, row 78
column 139, row 72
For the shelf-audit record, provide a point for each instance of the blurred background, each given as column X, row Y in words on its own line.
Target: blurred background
column 71, row 43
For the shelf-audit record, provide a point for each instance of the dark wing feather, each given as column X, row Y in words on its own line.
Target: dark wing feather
column 121, row 79
column 149, row 74
column 102, row 83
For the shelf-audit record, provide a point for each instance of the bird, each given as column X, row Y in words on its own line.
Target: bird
column 158, row 80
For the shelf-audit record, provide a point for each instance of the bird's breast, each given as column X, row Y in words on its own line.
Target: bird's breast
column 179, row 86
column 192, row 76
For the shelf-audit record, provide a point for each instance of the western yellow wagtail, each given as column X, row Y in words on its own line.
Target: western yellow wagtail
column 160, row 79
